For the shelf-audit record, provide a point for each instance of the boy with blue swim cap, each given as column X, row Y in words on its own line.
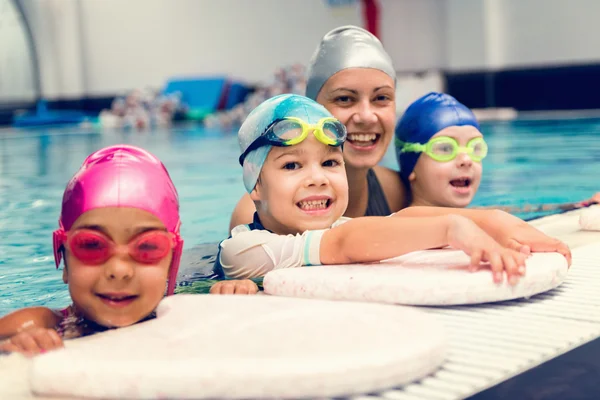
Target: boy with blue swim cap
column 291, row 153
column 439, row 149
column 274, row 123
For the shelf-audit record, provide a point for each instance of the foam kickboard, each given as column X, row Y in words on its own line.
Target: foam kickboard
column 431, row 277
column 211, row 346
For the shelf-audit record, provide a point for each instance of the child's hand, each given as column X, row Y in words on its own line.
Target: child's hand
column 595, row 199
column 520, row 236
column 465, row 235
column 245, row 286
column 32, row 341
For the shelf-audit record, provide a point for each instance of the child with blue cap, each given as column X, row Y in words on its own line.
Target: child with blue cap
column 439, row 149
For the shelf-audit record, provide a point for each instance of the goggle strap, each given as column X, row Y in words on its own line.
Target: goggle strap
column 414, row 148
column 58, row 239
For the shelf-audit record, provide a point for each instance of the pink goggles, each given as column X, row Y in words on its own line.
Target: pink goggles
column 94, row 248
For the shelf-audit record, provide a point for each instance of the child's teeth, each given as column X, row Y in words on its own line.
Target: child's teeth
column 313, row 204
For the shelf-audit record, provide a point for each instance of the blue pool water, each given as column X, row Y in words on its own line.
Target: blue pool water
column 529, row 162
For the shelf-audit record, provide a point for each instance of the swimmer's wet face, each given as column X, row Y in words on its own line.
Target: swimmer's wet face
column 128, row 285
column 451, row 183
column 363, row 99
column 301, row 187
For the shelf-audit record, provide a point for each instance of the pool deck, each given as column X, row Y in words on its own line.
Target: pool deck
column 566, row 228
column 13, row 369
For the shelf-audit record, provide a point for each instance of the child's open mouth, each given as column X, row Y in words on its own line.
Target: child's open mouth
column 363, row 140
column 314, row 206
column 117, row 299
column 461, row 185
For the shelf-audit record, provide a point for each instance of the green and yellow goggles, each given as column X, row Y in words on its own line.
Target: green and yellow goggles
column 445, row 148
column 290, row 131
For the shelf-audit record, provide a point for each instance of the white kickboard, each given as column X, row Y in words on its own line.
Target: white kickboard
column 211, row 346
column 431, row 277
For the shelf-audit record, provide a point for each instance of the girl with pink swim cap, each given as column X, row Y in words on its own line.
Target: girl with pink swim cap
column 119, row 237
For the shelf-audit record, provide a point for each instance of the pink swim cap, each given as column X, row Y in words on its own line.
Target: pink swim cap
column 122, row 176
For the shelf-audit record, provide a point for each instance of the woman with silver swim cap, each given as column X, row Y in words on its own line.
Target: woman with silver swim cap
column 352, row 75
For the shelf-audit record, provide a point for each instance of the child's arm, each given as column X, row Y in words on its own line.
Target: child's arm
column 27, row 318
column 30, row 330
column 505, row 228
column 250, row 254
column 244, row 286
column 372, row 239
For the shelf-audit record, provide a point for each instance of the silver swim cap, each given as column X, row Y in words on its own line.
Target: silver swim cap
column 346, row 47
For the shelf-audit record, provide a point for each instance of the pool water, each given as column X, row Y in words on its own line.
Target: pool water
column 530, row 162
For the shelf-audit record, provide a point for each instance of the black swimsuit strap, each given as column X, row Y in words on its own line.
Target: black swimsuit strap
column 377, row 204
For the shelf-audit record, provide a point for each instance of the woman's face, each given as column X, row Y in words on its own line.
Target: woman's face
column 364, row 100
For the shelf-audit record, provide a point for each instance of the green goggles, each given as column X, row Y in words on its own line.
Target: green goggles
column 445, row 148
column 290, row 131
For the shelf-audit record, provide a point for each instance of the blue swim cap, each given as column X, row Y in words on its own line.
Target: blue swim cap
column 424, row 118
column 257, row 122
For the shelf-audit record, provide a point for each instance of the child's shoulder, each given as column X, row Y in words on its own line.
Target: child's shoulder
column 240, row 228
column 249, row 232
column 341, row 221
column 253, row 230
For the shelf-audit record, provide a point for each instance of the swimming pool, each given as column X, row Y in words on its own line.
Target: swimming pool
column 529, row 162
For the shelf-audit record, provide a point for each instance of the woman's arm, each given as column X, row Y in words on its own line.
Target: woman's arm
column 243, row 212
